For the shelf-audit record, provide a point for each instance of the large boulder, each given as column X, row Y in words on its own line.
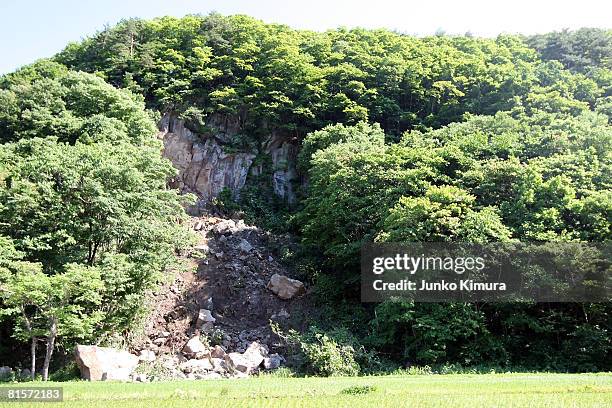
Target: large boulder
column 193, row 366
column 217, row 352
column 273, row 361
column 284, row 287
column 104, row 363
column 6, row 372
column 195, row 347
column 237, row 362
column 255, row 354
column 249, row 361
column 147, row 356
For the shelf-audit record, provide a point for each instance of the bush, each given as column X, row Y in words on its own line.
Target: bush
column 321, row 353
column 358, row 390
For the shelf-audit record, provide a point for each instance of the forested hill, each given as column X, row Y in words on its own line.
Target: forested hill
column 275, row 77
column 378, row 136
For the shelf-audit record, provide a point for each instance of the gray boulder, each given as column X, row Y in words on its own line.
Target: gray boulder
column 104, row 363
column 285, row 287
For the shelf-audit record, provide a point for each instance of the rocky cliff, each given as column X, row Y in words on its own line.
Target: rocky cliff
column 206, row 167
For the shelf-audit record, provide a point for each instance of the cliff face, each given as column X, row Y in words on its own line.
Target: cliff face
column 205, row 169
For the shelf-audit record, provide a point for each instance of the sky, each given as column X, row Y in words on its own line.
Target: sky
column 36, row 29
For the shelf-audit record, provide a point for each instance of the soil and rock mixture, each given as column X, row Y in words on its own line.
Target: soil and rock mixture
column 227, row 298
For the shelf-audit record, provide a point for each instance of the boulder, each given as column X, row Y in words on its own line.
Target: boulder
column 26, row 373
column 217, row 352
column 202, row 248
column 194, row 366
column 219, row 365
column 284, row 287
column 245, row 246
column 209, row 376
column 237, row 362
column 194, row 347
column 249, row 361
column 141, row 378
column 255, row 354
column 6, row 372
column 273, row 361
column 282, row 314
column 204, row 316
column 146, row 355
column 104, row 363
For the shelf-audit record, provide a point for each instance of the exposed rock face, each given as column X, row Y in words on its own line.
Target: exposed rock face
column 104, row 363
column 284, row 287
column 204, row 168
column 283, row 151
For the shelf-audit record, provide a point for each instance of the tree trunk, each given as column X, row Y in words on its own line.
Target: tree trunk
column 50, row 345
column 33, row 352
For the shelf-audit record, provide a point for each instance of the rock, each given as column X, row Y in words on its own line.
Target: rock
column 283, row 153
column 204, row 316
column 282, row 314
column 141, row 378
column 159, row 341
column 202, row 248
column 249, row 361
column 194, row 346
column 26, row 373
column 218, row 365
column 207, row 328
column 198, row 226
column 238, row 362
column 165, row 334
column 273, row 361
column 255, row 354
column 209, row 376
column 6, row 372
column 203, row 166
column 208, row 303
column 104, row 363
column 146, row 355
column 193, row 365
column 245, row 246
column 217, row 352
column 225, row 227
column 284, row 287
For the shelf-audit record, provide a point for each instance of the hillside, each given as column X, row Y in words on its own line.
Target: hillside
column 161, row 177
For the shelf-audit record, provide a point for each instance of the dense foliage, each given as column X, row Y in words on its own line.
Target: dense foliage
column 275, row 77
column 87, row 223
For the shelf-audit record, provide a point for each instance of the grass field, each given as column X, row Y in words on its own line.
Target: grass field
column 461, row 390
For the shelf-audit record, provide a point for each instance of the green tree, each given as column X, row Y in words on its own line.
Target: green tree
column 58, row 306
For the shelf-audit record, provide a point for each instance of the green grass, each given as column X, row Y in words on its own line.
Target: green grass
column 455, row 390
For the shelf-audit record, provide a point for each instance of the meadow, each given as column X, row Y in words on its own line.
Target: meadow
column 455, row 390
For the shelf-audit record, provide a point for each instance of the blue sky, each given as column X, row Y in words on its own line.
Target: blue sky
column 35, row 29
